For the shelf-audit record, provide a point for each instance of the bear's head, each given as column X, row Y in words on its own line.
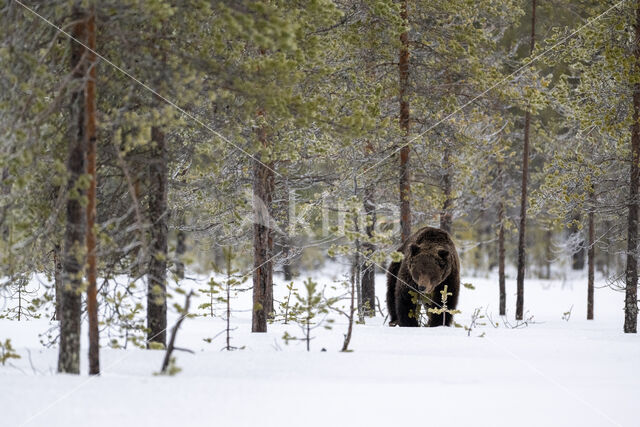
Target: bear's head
column 429, row 264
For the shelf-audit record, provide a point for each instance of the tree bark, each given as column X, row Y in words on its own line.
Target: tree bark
column 157, row 268
column 368, row 271
column 501, row 274
column 76, row 216
column 58, row 273
column 446, row 218
column 591, row 261
column 263, row 186
column 523, row 198
column 578, row 256
column 548, row 253
column 631, row 292
column 92, row 300
column 286, row 243
column 181, row 248
column 405, row 175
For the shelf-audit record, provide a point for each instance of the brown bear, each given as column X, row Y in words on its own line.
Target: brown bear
column 430, row 262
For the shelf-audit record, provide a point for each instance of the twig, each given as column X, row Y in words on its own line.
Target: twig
column 174, row 332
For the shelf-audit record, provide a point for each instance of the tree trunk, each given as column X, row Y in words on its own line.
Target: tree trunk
column 6, row 191
column 352, row 310
column 356, row 271
column 368, row 272
column 578, row 256
column 181, row 248
column 591, row 262
column 58, row 273
column 92, row 300
column 610, row 243
column 286, row 243
column 405, row 175
column 501, row 274
column 263, row 186
column 631, row 293
column 446, row 217
column 523, row 198
column 548, row 253
column 157, row 269
column 76, row 217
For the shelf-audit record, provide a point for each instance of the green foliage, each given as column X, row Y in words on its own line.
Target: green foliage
column 152, row 345
column 172, row 368
column 287, row 310
column 311, row 309
column 311, row 89
column 444, row 296
column 7, row 351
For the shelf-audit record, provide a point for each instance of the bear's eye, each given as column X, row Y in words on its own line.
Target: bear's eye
column 443, row 253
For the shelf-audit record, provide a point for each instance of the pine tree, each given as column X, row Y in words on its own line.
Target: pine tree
column 76, row 228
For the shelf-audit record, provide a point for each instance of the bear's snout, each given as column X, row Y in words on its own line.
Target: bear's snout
column 425, row 284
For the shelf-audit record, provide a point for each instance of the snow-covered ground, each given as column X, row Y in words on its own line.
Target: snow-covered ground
column 554, row 372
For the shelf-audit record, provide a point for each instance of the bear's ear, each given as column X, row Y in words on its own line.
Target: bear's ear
column 443, row 253
column 414, row 249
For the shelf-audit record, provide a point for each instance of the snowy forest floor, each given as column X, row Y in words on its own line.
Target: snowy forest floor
column 552, row 372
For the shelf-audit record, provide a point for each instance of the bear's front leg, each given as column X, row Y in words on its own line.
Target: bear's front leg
column 443, row 319
column 406, row 310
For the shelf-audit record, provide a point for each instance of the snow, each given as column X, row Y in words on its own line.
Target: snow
column 553, row 371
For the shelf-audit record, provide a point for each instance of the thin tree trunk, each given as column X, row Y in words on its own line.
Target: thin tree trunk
column 631, row 293
column 181, row 248
column 578, row 256
column 92, row 300
column 368, row 281
column 446, row 217
column 523, row 198
column 286, row 243
column 157, row 269
column 76, row 226
column 58, row 274
column 548, row 253
column 352, row 310
column 263, row 185
column 405, row 175
column 355, row 274
column 607, row 254
column 228, row 301
column 591, row 261
column 501, row 274
column 5, row 191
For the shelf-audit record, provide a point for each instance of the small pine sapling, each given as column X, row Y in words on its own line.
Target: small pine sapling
column 7, row 351
column 286, row 311
column 221, row 292
column 349, row 313
column 231, row 282
column 443, row 309
column 124, row 315
column 312, row 309
column 27, row 302
column 212, row 290
column 477, row 319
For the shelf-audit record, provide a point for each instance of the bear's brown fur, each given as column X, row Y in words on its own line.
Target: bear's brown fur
column 430, row 262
